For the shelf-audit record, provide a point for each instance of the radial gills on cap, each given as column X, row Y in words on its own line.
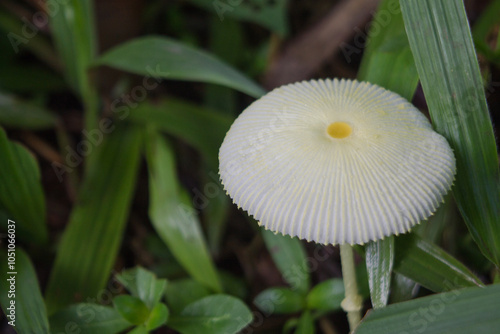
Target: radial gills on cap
column 335, row 161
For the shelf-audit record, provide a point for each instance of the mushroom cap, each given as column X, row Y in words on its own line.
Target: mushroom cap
column 335, row 161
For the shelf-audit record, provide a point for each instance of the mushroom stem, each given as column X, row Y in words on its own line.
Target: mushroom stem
column 353, row 302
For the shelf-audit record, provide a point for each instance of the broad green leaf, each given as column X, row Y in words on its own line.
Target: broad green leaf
column 181, row 293
column 269, row 14
column 21, row 194
column 202, row 128
column 21, row 299
column 446, row 61
column 290, row 258
column 143, row 284
column 162, row 57
column 158, row 316
column 379, row 262
column 91, row 241
column 388, row 61
column 172, row 215
column 73, row 30
column 305, row 324
column 430, row 266
column 19, row 114
column 131, row 309
column 326, row 296
column 212, row 315
column 471, row 310
column 88, row 318
column 280, row 300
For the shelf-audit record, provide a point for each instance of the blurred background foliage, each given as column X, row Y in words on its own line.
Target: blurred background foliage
column 112, row 114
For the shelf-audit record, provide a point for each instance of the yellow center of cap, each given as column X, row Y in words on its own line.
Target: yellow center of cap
column 339, row 130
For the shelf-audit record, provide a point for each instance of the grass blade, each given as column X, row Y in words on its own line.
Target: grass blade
column 21, row 194
column 429, row 265
column 92, row 238
column 471, row 310
column 73, row 31
column 442, row 46
column 379, row 263
column 30, row 314
column 173, row 216
column 166, row 58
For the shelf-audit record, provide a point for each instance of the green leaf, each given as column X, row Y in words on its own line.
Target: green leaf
column 88, row 318
column 172, row 215
column 379, row 262
column 388, row 61
column 19, row 114
column 73, row 30
column 326, row 296
column 202, row 128
column 290, row 258
column 165, row 58
column 402, row 288
column 442, row 46
column 143, row 284
column 212, row 315
column 131, row 309
column 279, row 300
column 429, row 265
column 21, row 194
column 158, row 317
column 471, row 310
column 21, row 299
column 88, row 248
column 305, row 324
column 269, row 14
column 181, row 293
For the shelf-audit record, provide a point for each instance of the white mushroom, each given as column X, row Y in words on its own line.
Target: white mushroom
column 335, row 161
